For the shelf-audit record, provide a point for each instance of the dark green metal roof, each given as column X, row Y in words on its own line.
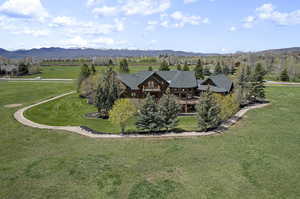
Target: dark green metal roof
column 176, row 79
column 134, row 80
column 211, row 88
column 222, row 81
column 179, row 79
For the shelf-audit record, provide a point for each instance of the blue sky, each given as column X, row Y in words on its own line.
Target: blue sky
column 191, row 25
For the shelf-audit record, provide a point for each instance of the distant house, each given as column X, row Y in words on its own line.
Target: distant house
column 182, row 84
column 9, row 69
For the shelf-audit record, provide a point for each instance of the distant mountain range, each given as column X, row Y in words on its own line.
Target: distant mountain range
column 283, row 50
column 43, row 53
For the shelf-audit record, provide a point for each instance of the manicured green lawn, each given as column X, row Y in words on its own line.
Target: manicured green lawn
column 258, row 158
column 71, row 110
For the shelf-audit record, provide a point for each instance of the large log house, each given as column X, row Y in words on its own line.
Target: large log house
column 182, row 84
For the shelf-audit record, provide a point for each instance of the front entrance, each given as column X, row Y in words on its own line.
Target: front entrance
column 188, row 108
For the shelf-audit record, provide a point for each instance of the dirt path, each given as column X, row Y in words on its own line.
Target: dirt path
column 19, row 116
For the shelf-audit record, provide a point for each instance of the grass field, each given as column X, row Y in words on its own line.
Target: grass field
column 72, row 72
column 71, row 110
column 258, row 158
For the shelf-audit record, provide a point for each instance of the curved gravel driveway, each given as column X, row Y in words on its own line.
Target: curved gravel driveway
column 19, row 116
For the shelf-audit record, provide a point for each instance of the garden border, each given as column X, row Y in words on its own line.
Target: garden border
column 19, row 116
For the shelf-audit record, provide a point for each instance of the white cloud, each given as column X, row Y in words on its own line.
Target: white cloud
column 32, row 32
column 105, row 11
column 249, row 19
column 93, row 2
column 145, row 7
column 269, row 12
column 189, row 1
column 79, row 42
column 151, row 25
column 183, row 19
column 63, row 21
column 165, row 24
column 232, row 29
column 24, row 9
column 92, row 28
column 249, row 22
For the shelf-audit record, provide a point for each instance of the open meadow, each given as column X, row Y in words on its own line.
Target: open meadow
column 72, row 72
column 257, row 158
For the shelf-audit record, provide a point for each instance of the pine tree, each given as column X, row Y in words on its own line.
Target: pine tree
column 93, row 69
column 179, row 67
column 208, row 112
column 218, row 69
column 199, row 70
column 84, row 73
column 108, row 92
column 206, row 71
column 150, row 68
column 241, row 86
column 124, row 66
column 258, row 82
column 149, row 117
column 164, row 66
column 169, row 110
column 110, row 62
column 226, row 70
column 284, row 76
column 186, row 67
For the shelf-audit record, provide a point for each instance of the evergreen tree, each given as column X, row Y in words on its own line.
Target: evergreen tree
column 110, row 62
column 284, row 76
column 150, row 68
column 149, row 117
column 23, row 68
column 108, row 92
column 164, row 66
column 199, row 70
column 84, row 73
column 169, row 110
column 218, row 69
column 179, row 67
column 186, row 66
column 206, row 71
column 241, row 86
column 232, row 70
column 258, row 82
column 208, row 112
column 226, row 70
column 124, row 66
column 93, row 69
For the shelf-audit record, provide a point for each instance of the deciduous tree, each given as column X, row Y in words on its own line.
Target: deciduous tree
column 121, row 112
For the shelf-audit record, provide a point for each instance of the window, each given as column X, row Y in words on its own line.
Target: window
column 151, row 84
